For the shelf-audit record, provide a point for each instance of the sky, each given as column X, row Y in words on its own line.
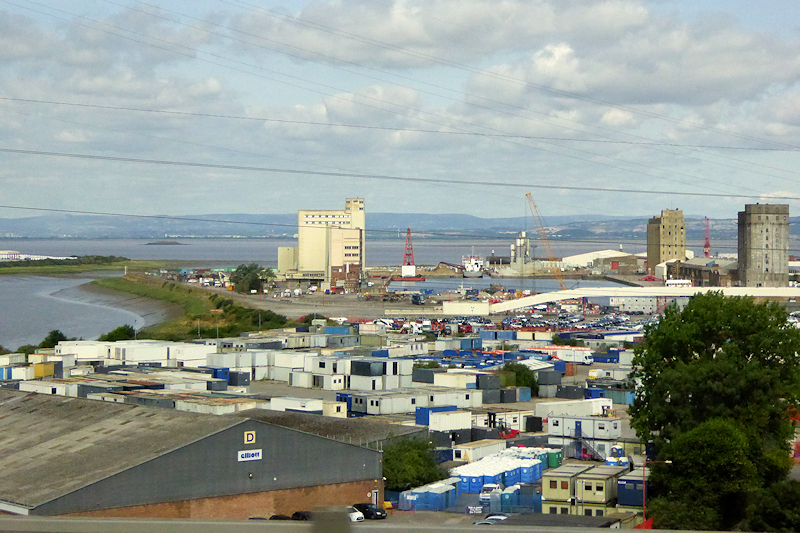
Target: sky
column 614, row 107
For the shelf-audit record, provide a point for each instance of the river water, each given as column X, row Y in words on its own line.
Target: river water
column 31, row 306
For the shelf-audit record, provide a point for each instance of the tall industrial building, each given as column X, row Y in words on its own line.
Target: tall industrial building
column 330, row 247
column 764, row 245
column 666, row 238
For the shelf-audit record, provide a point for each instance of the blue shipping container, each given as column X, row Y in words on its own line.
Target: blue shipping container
column 592, row 393
column 488, row 334
column 450, row 353
column 524, row 394
column 337, row 330
column 380, row 353
column 560, row 366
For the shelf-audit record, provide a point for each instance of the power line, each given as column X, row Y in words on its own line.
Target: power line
column 469, row 68
column 244, row 168
column 410, row 130
column 697, row 183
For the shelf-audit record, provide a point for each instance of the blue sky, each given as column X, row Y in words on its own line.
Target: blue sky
column 241, row 106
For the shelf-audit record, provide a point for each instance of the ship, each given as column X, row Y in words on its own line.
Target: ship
column 472, row 265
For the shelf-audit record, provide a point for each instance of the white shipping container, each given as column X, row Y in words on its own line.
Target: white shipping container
column 576, row 408
column 391, row 382
column 221, row 360
column 14, row 359
column 301, row 379
column 259, row 358
column 244, row 359
column 280, row 373
column 22, row 372
column 366, row 383
column 450, row 420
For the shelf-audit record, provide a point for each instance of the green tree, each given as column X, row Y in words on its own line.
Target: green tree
column 776, row 508
column 711, row 473
column 247, row 278
column 719, row 358
column 525, row 377
column 122, row 333
column 409, row 463
column 566, row 342
column 53, row 338
column 27, row 349
column 4, row 351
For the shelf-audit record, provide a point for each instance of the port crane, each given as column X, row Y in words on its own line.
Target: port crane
column 537, row 219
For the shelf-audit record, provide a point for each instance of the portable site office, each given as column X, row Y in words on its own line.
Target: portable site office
column 559, row 483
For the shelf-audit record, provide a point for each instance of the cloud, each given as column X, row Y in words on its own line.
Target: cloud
column 541, row 92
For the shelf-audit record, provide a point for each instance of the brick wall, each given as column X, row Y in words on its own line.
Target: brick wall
column 243, row 506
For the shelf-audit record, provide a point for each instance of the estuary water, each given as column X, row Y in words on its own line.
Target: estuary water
column 31, row 306
column 233, row 252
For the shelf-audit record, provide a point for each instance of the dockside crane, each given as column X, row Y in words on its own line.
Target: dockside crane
column 707, row 243
column 540, row 227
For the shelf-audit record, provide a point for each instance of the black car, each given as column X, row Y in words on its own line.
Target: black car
column 303, row 515
column 370, row 511
column 279, row 517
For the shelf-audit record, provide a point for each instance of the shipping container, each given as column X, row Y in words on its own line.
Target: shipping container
column 491, row 396
column 549, row 377
column 508, row 395
column 449, row 420
column 422, row 414
column 488, row 381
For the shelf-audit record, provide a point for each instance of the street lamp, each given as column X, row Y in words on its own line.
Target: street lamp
column 644, row 484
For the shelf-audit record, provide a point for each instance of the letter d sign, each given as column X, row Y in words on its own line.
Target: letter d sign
column 249, row 437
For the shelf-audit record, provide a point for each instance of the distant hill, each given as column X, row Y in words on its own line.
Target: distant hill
column 378, row 225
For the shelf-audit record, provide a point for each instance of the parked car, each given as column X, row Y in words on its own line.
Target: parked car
column 303, row 515
column 370, row 511
column 278, row 517
column 355, row 515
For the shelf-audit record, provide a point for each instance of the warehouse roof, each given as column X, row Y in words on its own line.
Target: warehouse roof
column 355, row 430
column 53, row 445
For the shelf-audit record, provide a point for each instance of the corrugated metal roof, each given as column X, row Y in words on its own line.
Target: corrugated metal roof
column 53, row 445
column 355, row 430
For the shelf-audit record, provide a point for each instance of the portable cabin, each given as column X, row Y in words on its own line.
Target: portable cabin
column 559, row 484
column 474, row 451
column 599, row 485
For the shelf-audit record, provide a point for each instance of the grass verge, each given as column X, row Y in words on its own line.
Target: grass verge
column 205, row 315
column 64, row 270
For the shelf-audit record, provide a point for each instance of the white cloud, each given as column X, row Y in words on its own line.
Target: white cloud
column 539, row 80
